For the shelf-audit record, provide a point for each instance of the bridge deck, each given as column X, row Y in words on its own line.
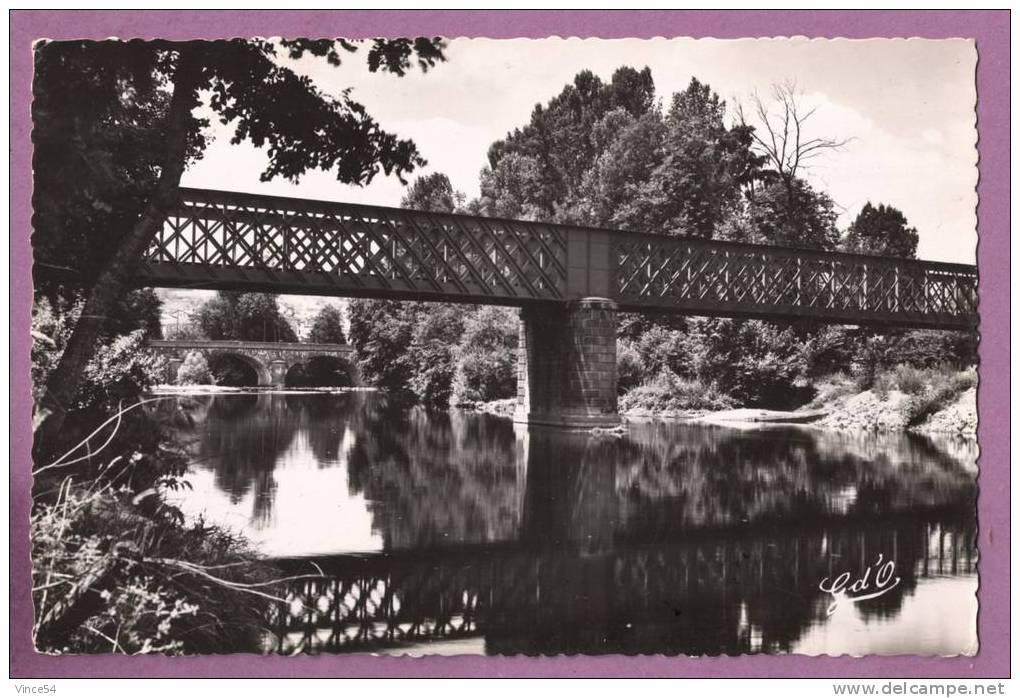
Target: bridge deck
column 222, row 240
column 245, row 345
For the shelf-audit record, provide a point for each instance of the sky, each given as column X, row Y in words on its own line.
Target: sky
column 906, row 104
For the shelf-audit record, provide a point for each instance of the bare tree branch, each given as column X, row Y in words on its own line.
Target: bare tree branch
column 781, row 133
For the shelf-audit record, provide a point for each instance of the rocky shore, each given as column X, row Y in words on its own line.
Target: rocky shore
column 865, row 411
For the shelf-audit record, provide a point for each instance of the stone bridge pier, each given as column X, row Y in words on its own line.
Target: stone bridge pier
column 566, row 370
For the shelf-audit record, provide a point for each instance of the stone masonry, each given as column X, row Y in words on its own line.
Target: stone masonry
column 566, row 371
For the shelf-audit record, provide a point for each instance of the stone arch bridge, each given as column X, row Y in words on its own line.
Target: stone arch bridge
column 271, row 361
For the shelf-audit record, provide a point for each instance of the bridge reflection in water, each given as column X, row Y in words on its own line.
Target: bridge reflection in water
column 675, row 539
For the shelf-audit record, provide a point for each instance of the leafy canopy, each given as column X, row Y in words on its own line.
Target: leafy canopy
column 100, row 113
column 253, row 317
column 327, row 327
column 882, row 230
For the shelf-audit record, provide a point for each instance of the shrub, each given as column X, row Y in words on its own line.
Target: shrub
column 910, row 380
column 194, row 370
column 629, row 368
column 942, row 387
column 754, row 362
column 929, row 389
column 669, row 392
column 110, row 578
column 662, row 348
column 120, row 370
column 833, row 387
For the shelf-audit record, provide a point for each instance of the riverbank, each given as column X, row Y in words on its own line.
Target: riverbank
column 933, row 402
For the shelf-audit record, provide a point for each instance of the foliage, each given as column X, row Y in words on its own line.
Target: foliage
column 320, row 372
column 120, row 367
column 110, row 577
column 696, row 185
column 433, row 352
column 881, row 230
column 432, row 192
column 486, row 356
column 668, row 392
column 244, row 316
column 381, row 333
column 754, row 362
column 788, row 214
column 52, row 323
column 194, row 370
column 327, row 327
column 875, row 353
column 930, row 389
column 537, row 171
column 137, row 310
column 629, row 367
column 100, row 113
column 120, row 370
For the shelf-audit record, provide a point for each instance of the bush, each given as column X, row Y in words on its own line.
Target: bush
column 833, row 387
column 669, row 392
column 120, row 370
column 629, row 368
column 754, row 362
column 110, row 578
column 662, row 348
column 942, row 387
column 930, row 389
column 910, row 380
column 194, row 370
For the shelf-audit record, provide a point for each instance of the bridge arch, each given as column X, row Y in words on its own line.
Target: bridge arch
column 262, row 374
column 269, row 361
column 322, row 371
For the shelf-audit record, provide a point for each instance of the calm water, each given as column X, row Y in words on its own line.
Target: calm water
column 463, row 533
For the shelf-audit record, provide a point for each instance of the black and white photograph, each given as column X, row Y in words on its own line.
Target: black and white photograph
column 465, row 346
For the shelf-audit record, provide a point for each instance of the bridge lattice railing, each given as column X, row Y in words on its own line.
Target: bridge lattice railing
column 362, row 248
column 227, row 240
column 727, row 278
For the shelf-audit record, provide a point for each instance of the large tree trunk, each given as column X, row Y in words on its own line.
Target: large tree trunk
column 115, row 278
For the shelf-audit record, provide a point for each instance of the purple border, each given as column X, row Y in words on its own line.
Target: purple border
column 989, row 27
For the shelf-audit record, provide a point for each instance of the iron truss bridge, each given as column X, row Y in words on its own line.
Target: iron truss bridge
column 223, row 240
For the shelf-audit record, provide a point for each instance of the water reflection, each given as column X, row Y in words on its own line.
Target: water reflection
column 673, row 539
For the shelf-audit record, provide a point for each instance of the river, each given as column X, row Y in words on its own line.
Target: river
column 457, row 532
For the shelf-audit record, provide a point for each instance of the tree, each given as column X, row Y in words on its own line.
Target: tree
column 156, row 87
column 327, row 327
column 486, row 356
column 546, row 159
column 781, row 136
column 881, row 230
column 432, row 192
column 703, row 164
column 253, row 317
column 381, row 333
column 438, row 329
column 794, row 214
column 138, row 310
